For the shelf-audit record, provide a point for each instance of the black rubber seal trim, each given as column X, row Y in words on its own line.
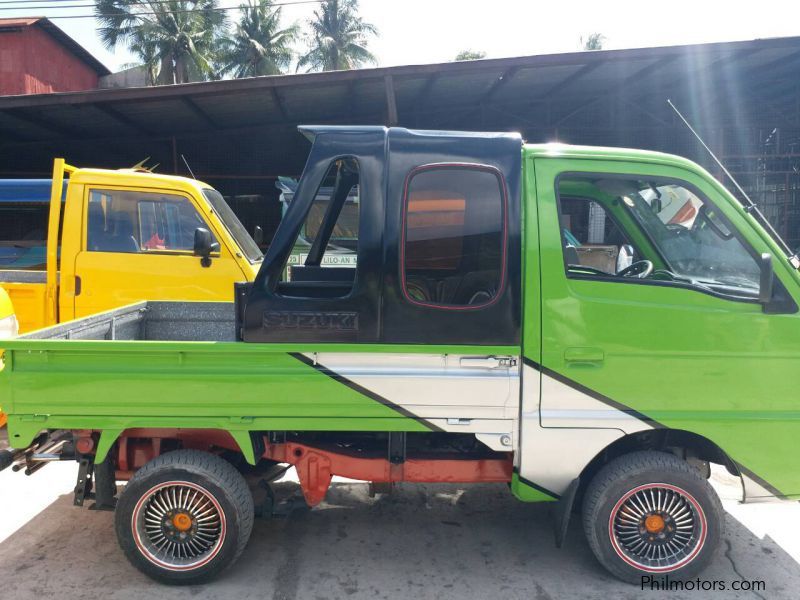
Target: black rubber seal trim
column 642, row 417
column 362, row 390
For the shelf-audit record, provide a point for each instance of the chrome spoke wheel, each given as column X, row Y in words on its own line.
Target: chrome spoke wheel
column 657, row 527
column 178, row 525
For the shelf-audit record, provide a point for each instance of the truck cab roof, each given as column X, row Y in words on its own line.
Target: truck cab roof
column 530, row 149
column 556, row 149
column 136, row 178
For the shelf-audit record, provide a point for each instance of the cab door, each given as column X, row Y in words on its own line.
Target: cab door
column 138, row 245
column 675, row 339
column 452, row 282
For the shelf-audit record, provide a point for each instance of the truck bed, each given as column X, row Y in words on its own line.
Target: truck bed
column 176, row 365
column 153, row 321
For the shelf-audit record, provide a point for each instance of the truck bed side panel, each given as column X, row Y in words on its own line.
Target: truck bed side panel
column 27, row 290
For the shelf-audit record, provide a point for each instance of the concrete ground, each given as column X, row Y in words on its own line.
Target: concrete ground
column 423, row 541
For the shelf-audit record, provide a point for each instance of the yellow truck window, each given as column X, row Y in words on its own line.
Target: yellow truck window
column 141, row 222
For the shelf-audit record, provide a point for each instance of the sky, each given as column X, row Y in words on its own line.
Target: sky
column 427, row 31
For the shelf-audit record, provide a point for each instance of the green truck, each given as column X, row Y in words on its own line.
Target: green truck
column 591, row 326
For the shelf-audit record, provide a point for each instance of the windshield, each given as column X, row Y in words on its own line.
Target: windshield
column 693, row 240
column 233, row 225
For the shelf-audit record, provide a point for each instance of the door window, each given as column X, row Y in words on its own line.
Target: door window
column 141, row 222
column 592, row 238
column 332, row 220
column 325, row 253
column 454, row 231
column 669, row 231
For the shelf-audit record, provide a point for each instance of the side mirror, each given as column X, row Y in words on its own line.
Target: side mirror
column 767, row 280
column 203, row 246
column 258, row 235
column 656, row 206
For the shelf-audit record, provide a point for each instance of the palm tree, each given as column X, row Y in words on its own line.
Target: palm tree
column 594, row 41
column 338, row 38
column 470, row 55
column 176, row 40
column 258, row 46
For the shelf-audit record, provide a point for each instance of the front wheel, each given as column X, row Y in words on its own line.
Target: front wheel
column 184, row 517
column 651, row 513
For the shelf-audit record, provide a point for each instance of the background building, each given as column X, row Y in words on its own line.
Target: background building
column 36, row 57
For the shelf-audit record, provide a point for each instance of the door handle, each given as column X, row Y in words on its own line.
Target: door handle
column 487, row 362
column 580, row 356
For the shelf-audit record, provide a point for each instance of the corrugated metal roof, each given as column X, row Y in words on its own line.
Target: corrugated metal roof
column 337, row 95
column 247, row 127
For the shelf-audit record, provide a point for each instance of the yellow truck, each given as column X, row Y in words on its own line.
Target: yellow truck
column 113, row 237
column 106, row 238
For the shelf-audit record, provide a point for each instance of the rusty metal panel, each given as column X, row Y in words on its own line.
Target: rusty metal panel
column 32, row 62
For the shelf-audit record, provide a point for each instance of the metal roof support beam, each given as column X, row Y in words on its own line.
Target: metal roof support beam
column 570, row 79
column 219, row 134
column 351, row 95
column 42, row 122
column 707, row 71
column 425, row 92
column 636, row 76
column 753, row 81
column 199, row 112
column 122, row 118
column 644, row 111
column 391, row 101
column 768, row 66
column 8, row 136
column 276, row 98
column 499, row 84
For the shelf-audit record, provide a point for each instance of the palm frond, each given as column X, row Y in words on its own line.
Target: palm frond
column 176, row 40
column 338, row 38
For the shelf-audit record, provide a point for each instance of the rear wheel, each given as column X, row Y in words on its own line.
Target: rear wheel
column 184, row 517
column 651, row 513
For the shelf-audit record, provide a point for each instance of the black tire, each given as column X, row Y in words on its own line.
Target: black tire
column 682, row 533
column 214, row 490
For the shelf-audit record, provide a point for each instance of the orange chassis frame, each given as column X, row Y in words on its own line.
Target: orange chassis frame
column 315, row 466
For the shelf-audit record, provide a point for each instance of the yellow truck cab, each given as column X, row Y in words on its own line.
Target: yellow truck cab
column 116, row 237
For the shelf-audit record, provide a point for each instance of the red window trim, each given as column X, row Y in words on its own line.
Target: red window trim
column 504, row 203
